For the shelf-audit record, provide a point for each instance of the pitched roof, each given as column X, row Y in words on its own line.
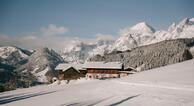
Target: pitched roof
column 62, row 66
column 104, row 65
column 65, row 66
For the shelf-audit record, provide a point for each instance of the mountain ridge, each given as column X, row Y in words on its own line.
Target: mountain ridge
column 137, row 35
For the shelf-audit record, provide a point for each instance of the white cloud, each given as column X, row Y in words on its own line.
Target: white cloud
column 30, row 37
column 105, row 37
column 34, row 42
column 47, row 37
column 53, row 30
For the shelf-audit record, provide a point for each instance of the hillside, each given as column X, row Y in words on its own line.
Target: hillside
column 171, row 85
column 13, row 56
column 153, row 55
column 41, row 64
column 20, row 68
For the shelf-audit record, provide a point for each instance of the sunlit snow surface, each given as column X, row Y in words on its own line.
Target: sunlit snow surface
column 172, row 85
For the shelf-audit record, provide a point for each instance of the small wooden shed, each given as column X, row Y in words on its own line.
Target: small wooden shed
column 127, row 71
column 67, row 72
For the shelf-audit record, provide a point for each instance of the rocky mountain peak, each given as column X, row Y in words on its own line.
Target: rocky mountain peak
column 12, row 55
column 172, row 27
column 143, row 27
column 6, row 51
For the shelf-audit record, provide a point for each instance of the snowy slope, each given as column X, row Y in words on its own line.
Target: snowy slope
column 170, row 86
column 171, row 75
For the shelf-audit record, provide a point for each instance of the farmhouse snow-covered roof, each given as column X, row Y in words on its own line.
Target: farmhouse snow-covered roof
column 103, row 65
column 65, row 66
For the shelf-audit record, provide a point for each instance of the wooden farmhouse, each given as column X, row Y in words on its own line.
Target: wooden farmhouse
column 99, row 70
column 70, row 71
column 93, row 70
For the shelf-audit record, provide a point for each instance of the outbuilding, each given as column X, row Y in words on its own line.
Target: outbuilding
column 67, row 72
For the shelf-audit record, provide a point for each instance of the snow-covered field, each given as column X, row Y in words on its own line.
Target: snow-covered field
column 171, row 85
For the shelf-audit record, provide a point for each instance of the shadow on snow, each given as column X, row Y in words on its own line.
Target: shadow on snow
column 124, row 100
column 92, row 103
column 12, row 98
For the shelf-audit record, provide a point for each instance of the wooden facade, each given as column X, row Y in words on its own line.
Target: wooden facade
column 107, row 71
column 82, row 72
column 102, row 73
column 99, row 73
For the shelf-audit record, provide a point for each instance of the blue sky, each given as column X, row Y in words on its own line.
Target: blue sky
column 86, row 18
column 33, row 24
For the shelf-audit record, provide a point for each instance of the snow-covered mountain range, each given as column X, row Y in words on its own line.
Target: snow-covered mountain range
column 22, row 68
column 42, row 62
column 129, row 38
column 79, row 51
